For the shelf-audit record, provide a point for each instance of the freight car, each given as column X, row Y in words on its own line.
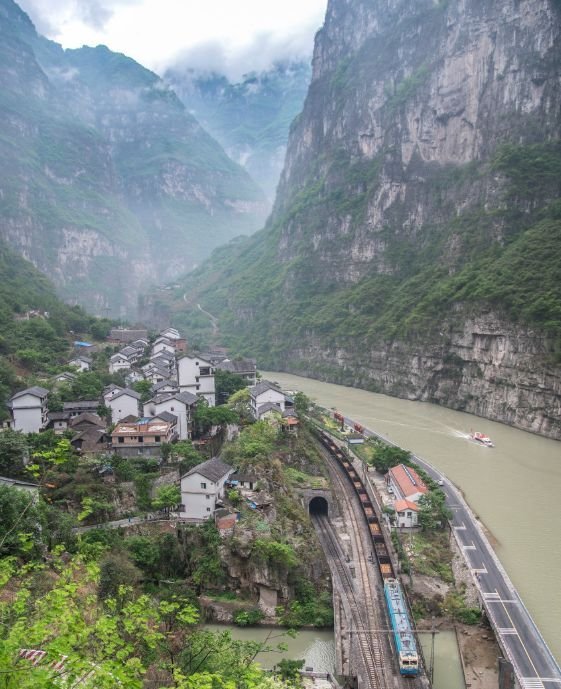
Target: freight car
column 404, row 637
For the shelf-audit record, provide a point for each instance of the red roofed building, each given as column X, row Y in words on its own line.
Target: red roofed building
column 406, row 513
column 405, row 483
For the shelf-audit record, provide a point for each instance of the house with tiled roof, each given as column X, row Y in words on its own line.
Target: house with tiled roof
column 246, row 368
column 202, row 489
column 29, row 409
column 180, row 404
column 404, row 483
column 123, row 403
column 406, row 513
column 265, row 393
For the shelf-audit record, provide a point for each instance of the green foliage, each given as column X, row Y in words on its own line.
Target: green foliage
column 14, row 451
column 384, row 456
column 144, row 389
column 454, row 604
column 310, row 607
column 433, row 513
column 205, row 417
column 248, row 618
column 227, row 384
column 167, row 496
column 274, row 552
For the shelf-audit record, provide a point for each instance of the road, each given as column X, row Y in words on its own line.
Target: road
column 519, row 638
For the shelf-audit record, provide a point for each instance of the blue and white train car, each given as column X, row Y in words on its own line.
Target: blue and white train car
column 404, row 638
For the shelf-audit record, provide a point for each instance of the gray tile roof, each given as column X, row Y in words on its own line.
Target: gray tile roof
column 213, row 469
column 126, row 391
column 166, row 416
column 85, row 404
column 36, row 390
column 263, row 386
column 238, row 365
column 163, row 384
column 267, row 407
column 185, row 397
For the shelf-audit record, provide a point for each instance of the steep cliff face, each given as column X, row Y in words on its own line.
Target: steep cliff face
column 415, row 245
column 107, row 183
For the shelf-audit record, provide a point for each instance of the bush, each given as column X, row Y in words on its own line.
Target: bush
column 248, row 618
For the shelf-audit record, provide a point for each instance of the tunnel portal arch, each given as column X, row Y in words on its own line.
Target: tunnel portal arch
column 319, row 506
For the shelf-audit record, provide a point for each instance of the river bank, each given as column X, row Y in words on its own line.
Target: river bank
column 512, row 488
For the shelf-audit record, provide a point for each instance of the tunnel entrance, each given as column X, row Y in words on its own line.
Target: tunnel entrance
column 318, row 506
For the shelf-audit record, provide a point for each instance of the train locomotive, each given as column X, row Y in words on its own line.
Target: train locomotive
column 403, row 633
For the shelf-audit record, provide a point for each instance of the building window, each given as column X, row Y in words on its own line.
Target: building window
column 208, row 509
column 141, row 440
column 208, row 497
column 203, row 485
column 121, row 440
column 409, row 515
column 171, row 408
column 157, row 439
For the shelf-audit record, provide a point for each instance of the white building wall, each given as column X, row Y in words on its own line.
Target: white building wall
column 267, row 396
column 175, row 407
column 29, row 416
column 190, row 378
column 200, row 502
column 120, row 364
column 162, row 347
column 123, row 406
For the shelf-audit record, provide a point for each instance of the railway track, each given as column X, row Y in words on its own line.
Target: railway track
column 372, row 613
column 370, row 653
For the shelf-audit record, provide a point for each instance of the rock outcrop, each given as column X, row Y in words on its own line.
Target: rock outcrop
column 415, row 244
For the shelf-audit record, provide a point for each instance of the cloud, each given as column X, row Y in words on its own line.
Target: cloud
column 261, row 54
column 50, row 18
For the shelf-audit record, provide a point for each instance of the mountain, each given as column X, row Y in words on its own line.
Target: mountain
column 251, row 117
column 107, row 183
column 36, row 328
column 415, row 244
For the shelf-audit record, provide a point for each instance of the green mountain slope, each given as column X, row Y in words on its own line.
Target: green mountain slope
column 414, row 247
column 106, row 182
column 38, row 342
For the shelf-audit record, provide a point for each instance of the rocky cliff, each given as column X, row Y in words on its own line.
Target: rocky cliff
column 415, row 244
column 107, row 183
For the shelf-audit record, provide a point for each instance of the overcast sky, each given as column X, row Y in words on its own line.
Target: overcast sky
column 236, row 37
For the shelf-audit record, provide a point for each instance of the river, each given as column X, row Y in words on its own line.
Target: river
column 514, row 488
column 317, row 648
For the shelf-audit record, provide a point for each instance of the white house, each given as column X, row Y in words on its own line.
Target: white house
column 202, row 488
column 406, row 513
column 124, row 403
column 110, row 392
column 134, row 377
column 118, row 362
column 29, row 409
column 266, row 392
column 195, row 375
column 404, row 483
column 82, row 363
column 163, row 344
column 165, row 386
column 131, row 353
column 181, row 404
column 64, row 378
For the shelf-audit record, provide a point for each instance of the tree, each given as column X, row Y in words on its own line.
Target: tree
column 302, row 403
column 144, row 389
column 14, row 452
column 167, row 496
column 240, row 402
column 206, row 417
column 227, row 383
column 433, row 513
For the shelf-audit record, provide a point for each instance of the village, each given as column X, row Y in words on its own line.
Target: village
column 124, row 423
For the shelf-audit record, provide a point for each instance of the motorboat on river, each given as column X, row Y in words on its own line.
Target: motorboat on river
column 482, row 439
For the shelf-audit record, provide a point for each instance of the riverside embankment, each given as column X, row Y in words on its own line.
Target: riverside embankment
column 513, row 487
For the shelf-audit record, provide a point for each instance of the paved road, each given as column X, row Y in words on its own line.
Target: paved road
column 520, row 639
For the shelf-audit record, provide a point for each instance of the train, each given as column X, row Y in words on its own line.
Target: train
column 398, row 612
